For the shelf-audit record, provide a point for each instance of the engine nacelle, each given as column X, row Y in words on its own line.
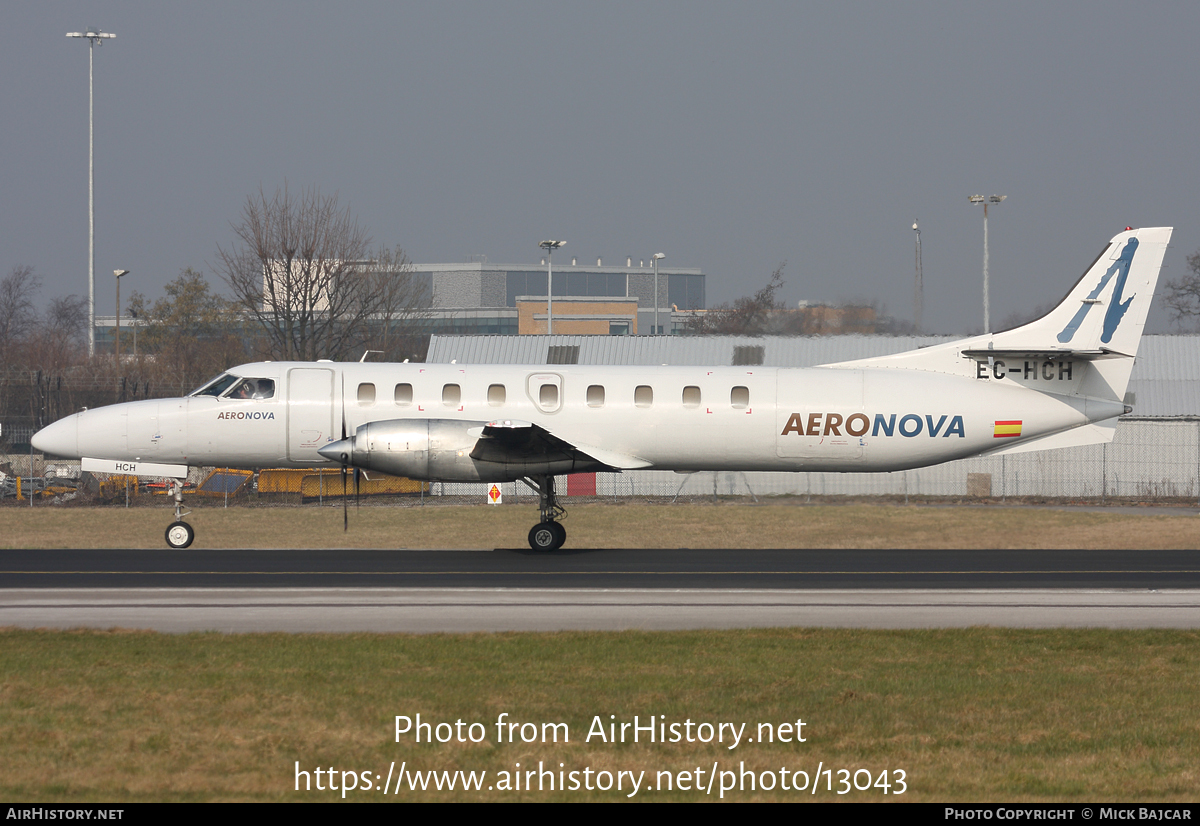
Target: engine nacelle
column 437, row 449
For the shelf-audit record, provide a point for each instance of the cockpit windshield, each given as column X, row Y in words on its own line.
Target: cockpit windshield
column 253, row 389
column 229, row 386
column 215, row 387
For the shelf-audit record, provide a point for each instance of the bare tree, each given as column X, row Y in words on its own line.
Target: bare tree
column 192, row 332
column 18, row 315
column 1182, row 296
column 66, row 318
column 763, row 314
column 747, row 316
column 404, row 301
column 299, row 268
column 58, row 342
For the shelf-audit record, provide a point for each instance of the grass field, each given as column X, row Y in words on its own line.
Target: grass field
column 789, row 524
column 977, row 715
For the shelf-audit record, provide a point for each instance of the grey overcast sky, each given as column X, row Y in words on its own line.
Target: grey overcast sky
column 730, row 136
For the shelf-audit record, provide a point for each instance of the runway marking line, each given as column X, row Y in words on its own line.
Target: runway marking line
column 596, row 573
column 752, row 605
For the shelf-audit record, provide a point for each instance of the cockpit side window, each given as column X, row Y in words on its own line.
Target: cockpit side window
column 215, row 387
column 253, row 389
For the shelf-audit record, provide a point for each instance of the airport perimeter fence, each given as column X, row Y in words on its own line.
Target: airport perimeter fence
column 1149, row 460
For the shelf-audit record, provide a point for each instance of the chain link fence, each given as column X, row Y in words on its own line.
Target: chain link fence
column 1153, row 460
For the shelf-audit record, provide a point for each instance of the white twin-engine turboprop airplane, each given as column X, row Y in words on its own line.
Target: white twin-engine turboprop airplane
column 1056, row 382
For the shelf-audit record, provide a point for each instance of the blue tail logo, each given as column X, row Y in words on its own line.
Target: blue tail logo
column 1117, row 308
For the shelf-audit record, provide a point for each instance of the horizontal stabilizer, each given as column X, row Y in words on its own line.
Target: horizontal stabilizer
column 1060, row 354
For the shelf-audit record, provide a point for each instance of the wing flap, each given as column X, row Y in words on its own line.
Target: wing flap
column 510, row 440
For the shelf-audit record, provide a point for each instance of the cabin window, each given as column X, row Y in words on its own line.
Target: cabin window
column 451, row 395
column 366, row 394
column 595, row 395
column 739, row 397
column 403, row 394
column 691, row 396
column 545, row 391
column 643, row 396
column 496, row 395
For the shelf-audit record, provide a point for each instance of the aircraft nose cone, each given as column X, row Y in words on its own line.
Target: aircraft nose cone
column 334, row 450
column 60, row 438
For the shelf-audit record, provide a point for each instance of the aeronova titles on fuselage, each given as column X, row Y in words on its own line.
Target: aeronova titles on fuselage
column 246, row 414
column 857, row 424
column 1028, row 371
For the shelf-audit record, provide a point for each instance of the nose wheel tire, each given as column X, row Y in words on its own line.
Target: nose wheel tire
column 180, row 535
column 547, row 536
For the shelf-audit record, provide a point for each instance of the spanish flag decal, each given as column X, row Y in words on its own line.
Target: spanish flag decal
column 1005, row 430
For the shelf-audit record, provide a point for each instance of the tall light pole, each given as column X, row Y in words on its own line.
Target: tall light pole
column 118, row 274
column 550, row 247
column 918, row 286
column 979, row 199
column 95, row 37
column 656, row 256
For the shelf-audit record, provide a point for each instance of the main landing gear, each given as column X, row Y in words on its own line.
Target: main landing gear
column 549, row 534
column 179, row 533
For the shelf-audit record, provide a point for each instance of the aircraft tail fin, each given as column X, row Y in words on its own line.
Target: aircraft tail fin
column 1099, row 323
column 1105, row 312
column 1102, row 318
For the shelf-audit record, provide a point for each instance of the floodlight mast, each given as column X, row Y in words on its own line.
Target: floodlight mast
column 979, row 199
column 918, row 286
column 655, row 257
column 117, row 351
column 550, row 247
column 95, row 37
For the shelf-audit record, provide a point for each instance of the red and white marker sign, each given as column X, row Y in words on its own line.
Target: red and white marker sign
column 494, row 494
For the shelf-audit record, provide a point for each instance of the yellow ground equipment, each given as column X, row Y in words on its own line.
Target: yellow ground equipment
column 224, row 482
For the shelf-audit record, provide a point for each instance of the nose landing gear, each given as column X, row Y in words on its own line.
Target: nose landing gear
column 549, row 534
column 179, row 533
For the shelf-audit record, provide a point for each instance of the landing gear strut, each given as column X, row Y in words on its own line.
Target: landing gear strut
column 179, row 533
column 549, row 534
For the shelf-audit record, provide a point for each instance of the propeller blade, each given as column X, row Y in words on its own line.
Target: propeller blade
column 345, row 462
column 345, row 511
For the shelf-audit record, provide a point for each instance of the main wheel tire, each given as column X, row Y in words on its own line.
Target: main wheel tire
column 546, row 536
column 180, row 535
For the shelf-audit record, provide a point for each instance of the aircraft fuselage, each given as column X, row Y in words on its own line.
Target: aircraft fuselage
column 666, row 418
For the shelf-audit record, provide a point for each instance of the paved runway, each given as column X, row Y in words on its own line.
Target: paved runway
column 456, row 591
column 582, row 568
column 425, row 610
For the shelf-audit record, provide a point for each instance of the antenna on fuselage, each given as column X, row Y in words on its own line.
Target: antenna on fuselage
column 367, row 353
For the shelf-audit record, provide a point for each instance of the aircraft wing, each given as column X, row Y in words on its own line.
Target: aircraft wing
column 509, row 440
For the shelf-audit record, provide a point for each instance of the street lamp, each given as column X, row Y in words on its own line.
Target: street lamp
column 550, row 247
column 918, row 286
column 655, row 257
column 979, row 199
column 95, row 37
column 118, row 274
